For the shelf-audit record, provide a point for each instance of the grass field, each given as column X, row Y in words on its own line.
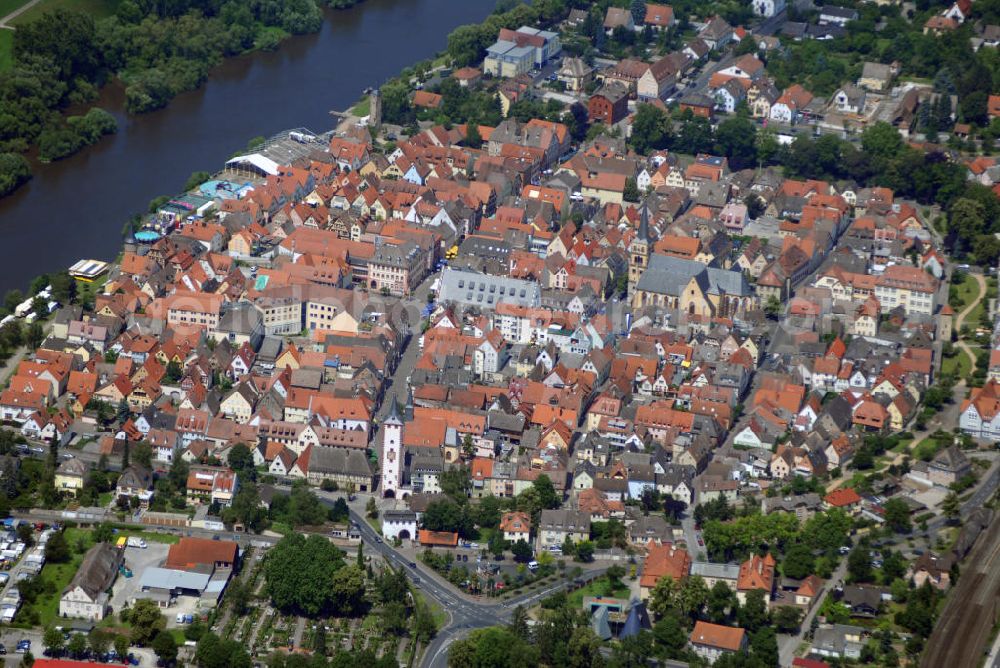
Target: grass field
column 926, row 449
column 976, row 314
column 968, row 291
column 6, row 49
column 150, row 536
column 8, row 6
column 437, row 612
column 362, row 108
column 99, row 9
column 57, row 576
column 959, row 366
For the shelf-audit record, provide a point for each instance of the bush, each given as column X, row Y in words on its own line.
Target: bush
column 80, row 131
column 58, row 143
column 95, row 124
column 14, row 171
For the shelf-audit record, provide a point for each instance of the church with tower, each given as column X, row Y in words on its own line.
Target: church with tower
column 639, row 250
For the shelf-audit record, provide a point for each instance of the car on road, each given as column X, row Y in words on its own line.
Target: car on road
column 378, row 539
column 23, row 646
column 3, row 648
column 413, row 564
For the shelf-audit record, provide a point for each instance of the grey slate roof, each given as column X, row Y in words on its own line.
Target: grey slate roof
column 97, row 571
column 339, row 461
column 485, row 291
column 669, row 275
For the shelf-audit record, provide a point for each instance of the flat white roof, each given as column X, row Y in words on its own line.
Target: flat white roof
column 257, row 160
column 88, row 268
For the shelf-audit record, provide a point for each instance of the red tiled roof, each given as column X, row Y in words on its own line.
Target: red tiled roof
column 722, row 637
column 844, row 496
column 191, row 552
column 756, row 573
column 441, row 538
column 664, row 560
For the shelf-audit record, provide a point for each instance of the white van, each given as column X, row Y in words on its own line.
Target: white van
column 532, row 565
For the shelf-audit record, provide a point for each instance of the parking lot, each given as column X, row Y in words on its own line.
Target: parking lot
column 138, row 559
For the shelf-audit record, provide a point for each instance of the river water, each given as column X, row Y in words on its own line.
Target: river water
column 75, row 208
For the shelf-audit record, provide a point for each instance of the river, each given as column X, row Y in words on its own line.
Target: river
column 76, row 208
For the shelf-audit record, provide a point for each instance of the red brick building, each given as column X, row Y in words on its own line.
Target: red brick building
column 609, row 104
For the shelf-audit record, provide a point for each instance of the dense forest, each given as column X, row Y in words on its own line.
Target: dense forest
column 158, row 48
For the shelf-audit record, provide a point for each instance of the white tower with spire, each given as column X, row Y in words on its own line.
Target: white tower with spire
column 392, row 452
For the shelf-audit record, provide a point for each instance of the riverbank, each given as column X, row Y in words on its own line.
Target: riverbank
column 76, row 207
column 70, row 52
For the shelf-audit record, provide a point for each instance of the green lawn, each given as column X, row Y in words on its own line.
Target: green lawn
column 281, row 528
column 959, row 366
column 902, row 446
column 150, row 536
column 57, row 576
column 97, row 8
column 976, row 315
column 362, row 108
column 595, row 588
column 74, row 535
column 437, row 612
column 968, row 290
column 926, row 449
column 8, row 6
column 6, row 49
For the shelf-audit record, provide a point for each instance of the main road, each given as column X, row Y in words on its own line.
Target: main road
column 466, row 613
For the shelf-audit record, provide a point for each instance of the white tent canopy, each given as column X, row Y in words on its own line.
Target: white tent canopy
column 256, row 161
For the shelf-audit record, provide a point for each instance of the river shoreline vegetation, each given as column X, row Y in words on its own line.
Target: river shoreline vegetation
column 155, row 48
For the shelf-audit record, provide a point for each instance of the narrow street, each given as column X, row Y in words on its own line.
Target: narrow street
column 788, row 644
column 300, row 627
column 405, row 316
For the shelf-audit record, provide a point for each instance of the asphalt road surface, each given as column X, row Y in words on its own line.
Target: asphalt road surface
column 465, row 613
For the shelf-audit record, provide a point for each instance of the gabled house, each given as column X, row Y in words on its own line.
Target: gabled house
column 88, row 594
column 135, row 482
